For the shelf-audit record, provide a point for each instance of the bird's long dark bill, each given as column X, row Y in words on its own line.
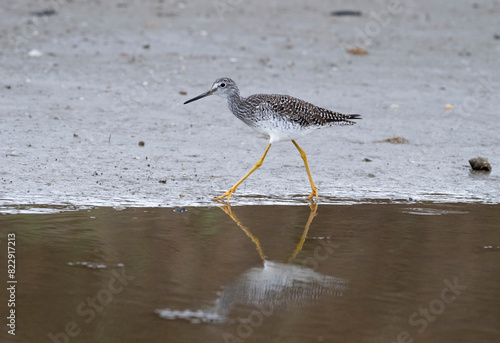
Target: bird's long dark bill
column 199, row 97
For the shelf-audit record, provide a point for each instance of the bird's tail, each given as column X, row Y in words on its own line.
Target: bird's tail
column 353, row 116
column 336, row 118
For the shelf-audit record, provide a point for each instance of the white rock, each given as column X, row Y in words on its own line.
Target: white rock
column 35, row 53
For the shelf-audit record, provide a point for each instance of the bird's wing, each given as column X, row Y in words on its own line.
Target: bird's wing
column 307, row 114
column 296, row 110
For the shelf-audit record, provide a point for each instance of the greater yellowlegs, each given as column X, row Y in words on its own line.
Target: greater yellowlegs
column 279, row 117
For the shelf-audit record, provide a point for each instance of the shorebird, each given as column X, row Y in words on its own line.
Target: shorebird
column 278, row 117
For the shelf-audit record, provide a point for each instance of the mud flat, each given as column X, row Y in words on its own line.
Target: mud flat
column 83, row 84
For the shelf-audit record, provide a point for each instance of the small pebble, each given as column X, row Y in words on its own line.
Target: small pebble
column 394, row 140
column 448, row 107
column 35, row 53
column 346, row 13
column 44, row 13
column 480, row 163
column 141, row 143
column 357, row 51
column 180, row 210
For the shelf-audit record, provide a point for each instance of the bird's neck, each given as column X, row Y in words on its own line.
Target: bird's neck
column 234, row 102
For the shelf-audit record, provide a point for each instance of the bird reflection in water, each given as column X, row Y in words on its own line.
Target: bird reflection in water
column 272, row 288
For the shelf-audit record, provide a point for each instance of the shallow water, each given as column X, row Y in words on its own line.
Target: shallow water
column 341, row 273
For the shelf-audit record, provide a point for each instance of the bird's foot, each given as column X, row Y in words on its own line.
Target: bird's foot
column 314, row 193
column 228, row 194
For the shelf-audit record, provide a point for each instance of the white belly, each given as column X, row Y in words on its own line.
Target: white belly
column 281, row 131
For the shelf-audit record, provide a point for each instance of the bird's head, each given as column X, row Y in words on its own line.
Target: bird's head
column 223, row 87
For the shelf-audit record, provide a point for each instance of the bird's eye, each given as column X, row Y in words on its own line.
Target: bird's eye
column 222, row 85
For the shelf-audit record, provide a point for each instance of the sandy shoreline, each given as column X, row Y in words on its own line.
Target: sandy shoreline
column 111, row 75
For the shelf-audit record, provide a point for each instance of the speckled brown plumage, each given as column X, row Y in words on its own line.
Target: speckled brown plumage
column 285, row 107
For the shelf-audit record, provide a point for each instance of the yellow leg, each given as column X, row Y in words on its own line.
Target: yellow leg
column 231, row 190
column 314, row 192
column 227, row 208
column 314, row 208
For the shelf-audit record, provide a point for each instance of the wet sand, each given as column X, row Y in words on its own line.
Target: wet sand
column 112, row 74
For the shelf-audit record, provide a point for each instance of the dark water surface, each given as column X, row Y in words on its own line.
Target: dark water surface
column 351, row 273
